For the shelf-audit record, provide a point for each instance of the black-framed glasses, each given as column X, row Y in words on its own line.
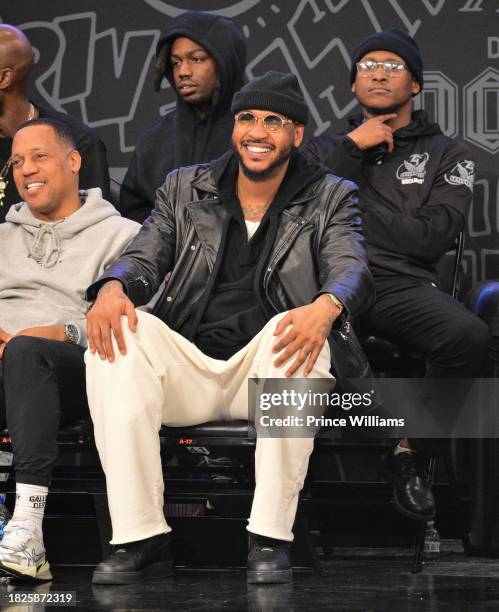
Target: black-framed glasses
column 391, row 68
column 272, row 123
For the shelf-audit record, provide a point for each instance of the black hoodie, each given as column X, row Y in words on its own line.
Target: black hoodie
column 182, row 138
column 414, row 203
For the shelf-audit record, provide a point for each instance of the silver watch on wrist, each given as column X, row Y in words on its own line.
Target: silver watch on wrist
column 72, row 333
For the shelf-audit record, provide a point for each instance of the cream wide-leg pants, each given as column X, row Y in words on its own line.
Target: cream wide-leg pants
column 165, row 379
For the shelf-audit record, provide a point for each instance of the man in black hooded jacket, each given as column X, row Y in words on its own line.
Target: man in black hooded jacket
column 416, row 186
column 203, row 57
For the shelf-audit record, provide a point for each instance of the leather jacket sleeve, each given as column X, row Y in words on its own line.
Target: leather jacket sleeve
column 342, row 255
column 150, row 256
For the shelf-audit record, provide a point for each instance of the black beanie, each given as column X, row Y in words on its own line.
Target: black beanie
column 274, row 91
column 397, row 42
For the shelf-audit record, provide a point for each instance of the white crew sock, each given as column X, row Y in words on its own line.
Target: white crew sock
column 402, row 449
column 30, row 503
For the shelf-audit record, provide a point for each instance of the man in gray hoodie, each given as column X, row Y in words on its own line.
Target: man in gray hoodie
column 52, row 245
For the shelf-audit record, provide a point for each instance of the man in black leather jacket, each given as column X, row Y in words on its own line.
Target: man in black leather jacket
column 265, row 252
column 416, row 186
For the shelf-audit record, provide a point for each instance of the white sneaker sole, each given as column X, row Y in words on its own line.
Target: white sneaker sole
column 26, row 572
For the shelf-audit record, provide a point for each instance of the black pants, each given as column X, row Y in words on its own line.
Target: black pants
column 42, row 388
column 421, row 317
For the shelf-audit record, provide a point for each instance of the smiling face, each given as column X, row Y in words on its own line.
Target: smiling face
column 262, row 152
column 45, row 171
column 380, row 93
column 194, row 71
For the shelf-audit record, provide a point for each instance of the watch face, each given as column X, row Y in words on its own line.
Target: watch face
column 72, row 333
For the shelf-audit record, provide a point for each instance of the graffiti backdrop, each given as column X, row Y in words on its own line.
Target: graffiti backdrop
column 94, row 61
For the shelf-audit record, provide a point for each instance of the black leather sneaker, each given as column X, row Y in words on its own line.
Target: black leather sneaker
column 408, row 474
column 136, row 561
column 268, row 560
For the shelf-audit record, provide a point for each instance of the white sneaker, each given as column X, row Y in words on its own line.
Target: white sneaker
column 22, row 553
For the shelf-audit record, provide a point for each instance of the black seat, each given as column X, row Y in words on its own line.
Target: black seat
column 224, row 434
column 216, row 429
column 483, row 300
column 114, row 191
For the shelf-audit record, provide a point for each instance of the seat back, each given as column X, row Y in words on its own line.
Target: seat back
column 450, row 268
column 115, row 186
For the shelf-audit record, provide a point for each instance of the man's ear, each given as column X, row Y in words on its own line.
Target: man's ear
column 353, row 87
column 75, row 159
column 299, row 132
column 415, row 88
column 6, row 77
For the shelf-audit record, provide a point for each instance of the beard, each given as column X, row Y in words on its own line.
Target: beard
column 258, row 176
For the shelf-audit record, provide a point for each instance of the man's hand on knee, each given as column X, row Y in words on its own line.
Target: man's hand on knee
column 309, row 327
column 104, row 320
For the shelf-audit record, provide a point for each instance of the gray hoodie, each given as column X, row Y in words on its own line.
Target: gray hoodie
column 46, row 267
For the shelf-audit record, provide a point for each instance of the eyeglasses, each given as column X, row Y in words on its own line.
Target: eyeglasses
column 391, row 69
column 272, row 123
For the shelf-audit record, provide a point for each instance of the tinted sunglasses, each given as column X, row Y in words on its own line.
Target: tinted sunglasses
column 272, row 123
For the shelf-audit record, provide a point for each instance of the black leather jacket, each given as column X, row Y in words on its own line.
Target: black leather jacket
column 319, row 247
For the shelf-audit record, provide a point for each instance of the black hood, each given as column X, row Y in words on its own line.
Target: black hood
column 419, row 126
column 223, row 40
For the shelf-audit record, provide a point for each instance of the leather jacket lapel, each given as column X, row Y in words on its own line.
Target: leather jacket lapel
column 208, row 218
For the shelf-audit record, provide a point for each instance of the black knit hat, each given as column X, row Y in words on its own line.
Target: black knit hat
column 274, row 91
column 397, row 42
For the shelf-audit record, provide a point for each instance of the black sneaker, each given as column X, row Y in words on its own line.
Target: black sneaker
column 268, row 560
column 136, row 561
column 408, row 474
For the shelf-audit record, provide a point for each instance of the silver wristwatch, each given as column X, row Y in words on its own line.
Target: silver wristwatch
column 72, row 333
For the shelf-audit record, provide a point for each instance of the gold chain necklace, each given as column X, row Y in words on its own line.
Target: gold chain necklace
column 3, row 172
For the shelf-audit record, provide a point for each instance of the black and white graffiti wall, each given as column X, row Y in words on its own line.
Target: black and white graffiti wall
column 94, row 61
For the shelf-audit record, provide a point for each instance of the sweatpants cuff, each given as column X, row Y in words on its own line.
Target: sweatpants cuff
column 138, row 534
column 271, row 531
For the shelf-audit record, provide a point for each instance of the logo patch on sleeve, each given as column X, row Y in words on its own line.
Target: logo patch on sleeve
column 413, row 170
column 463, row 173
